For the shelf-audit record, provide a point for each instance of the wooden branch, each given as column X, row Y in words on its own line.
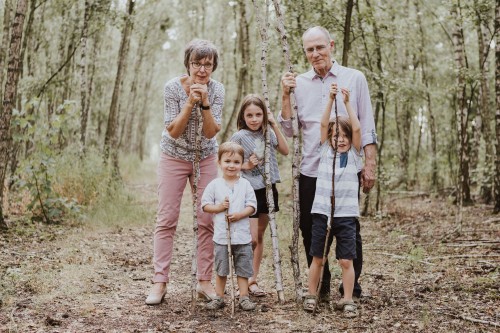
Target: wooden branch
column 267, row 155
column 231, row 264
column 294, row 247
column 465, row 256
column 471, row 319
column 196, row 169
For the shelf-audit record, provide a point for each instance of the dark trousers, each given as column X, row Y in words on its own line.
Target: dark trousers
column 307, row 190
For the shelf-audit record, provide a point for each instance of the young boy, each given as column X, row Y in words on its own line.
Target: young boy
column 346, row 146
column 236, row 195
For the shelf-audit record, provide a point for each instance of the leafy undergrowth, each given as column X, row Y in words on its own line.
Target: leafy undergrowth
column 420, row 275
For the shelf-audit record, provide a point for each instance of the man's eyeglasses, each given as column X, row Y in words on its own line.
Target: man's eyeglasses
column 319, row 49
column 197, row 65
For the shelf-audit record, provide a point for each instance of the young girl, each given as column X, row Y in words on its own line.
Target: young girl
column 347, row 166
column 252, row 124
column 236, row 196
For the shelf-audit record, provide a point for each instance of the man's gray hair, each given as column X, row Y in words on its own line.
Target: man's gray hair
column 320, row 28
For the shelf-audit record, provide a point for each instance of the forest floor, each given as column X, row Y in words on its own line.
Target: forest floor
column 417, row 276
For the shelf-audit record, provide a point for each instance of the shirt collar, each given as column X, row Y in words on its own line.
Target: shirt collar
column 334, row 70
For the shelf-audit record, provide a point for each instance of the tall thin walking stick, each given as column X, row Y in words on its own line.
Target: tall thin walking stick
column 267, row 155
column 294, row 247
column 332, row 210
column 196, row 170
column 230, row 257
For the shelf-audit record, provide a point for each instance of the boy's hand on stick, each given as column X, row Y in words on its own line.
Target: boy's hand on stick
column 346, row 94
column 333, row 90
column 225, row 204
column 233, row 217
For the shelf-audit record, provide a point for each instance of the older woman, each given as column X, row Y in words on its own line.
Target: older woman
column 182, row 96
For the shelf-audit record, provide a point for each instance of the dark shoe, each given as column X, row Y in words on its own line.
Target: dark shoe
column 215, row 304
column 246, row 304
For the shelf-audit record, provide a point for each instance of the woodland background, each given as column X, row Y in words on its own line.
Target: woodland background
column 82, row 81
column 81, row 85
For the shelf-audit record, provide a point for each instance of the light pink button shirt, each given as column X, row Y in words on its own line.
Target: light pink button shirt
column 311, row 95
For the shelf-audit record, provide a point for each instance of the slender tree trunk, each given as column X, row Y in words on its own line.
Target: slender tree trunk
column 243, row 70
column 425, row 79
column 10, row 95
column 463, row 192
column 497, row 111
column 347, row 32
column 111, row 138
column 142, row 123
column 84, row 110
column 263, row 27
column 3, row 47
column 294, row 247
column 127, row 132
column 483, row 118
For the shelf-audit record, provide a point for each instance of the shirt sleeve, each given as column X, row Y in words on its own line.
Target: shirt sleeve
column 236, row 138
column 171, row 103
column 274, row 139
column 286, row 125
column 218, row 102
column 250, row 199
column 365, row 112
column 208, row 197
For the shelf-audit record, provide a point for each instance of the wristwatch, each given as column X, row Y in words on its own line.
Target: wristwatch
column 203, row 107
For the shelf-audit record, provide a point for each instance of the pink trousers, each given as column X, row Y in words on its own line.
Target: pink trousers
column 172, row 177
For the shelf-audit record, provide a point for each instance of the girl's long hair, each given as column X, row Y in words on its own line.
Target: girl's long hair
column 344, row 124
column 258, row 101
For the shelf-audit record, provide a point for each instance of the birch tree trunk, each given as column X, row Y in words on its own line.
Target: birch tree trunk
column 425, row 79
column 482, row 121
column 294, row 247
column 9, row 97
column 263, row 27
column 244, row 46
column 84, row 102
column 461, row 113
column 347, row 32
column 111, row 138
column 496, row 209
column 3, row 47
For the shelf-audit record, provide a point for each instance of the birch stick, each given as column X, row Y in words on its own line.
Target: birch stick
column 230, row 256
column 294, row 247
column 196, row 169
column 263, row 26
column 332, row 210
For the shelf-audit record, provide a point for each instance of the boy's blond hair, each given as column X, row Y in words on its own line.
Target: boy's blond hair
column 231, row 148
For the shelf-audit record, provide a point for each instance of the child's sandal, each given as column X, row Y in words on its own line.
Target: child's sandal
column 309, row 303
column 350, row 310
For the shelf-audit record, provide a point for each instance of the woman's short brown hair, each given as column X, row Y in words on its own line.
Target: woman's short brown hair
column 231, row 148
column 199, row 49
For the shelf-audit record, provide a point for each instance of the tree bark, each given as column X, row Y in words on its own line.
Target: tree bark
column 463, row 192
column 10, row 95
column 111, row 138
column 347, row 32
column 263, row 28
column 496, row 209
column 294, row 247
column 84, row 102
column 3, row 47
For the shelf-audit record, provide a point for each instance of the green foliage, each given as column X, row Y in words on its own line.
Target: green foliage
column 38, row 172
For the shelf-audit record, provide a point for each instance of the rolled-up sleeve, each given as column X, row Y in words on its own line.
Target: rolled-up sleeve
column 250, row 199
column 365, row 112
column 286, row 125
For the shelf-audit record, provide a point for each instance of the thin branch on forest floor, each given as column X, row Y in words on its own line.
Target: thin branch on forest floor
column 478, row 240
column 471, row 244
column 474, row 320
column 396, row 256
column 458, row 256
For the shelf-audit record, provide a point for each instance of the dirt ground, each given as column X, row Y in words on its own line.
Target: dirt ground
column 418, row 277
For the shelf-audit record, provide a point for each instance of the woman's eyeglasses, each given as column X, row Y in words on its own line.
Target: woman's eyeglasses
column 197, row 65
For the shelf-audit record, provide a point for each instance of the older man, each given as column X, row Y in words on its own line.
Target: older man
column 311, row 95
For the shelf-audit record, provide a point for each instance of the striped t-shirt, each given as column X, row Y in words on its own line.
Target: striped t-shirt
column 249, row 141
column 346, row 183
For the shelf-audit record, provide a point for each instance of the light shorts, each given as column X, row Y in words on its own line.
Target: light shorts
column 242, row 259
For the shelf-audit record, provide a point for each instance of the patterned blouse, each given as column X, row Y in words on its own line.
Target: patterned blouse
column 175, row 99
